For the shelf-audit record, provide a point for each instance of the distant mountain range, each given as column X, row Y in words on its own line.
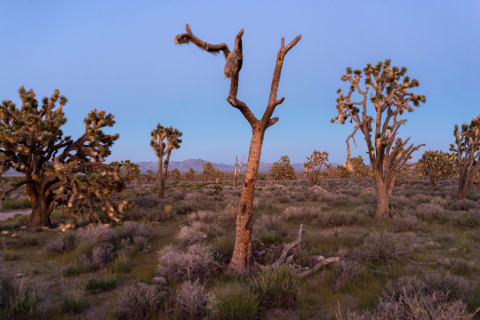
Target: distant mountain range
column 183, row 166
column 196, row 164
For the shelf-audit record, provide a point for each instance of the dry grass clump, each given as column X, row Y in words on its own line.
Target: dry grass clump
column 19, row 297
column 191, row 301
column 98, row 257
column 196, row 263
column 337, row 219
column 202, row 215
column 139, row 301
column 233, row 301
column 428, row 210
column 348, row 272
column 278, row 288
column 300, row 212
column 381, row 248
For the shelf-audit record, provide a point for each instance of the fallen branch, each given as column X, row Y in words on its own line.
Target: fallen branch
column 323, row 262
column 287, row 248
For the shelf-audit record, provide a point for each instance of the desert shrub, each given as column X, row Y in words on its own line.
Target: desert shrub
column 336, row 219
column 291, row 213
column 9, row 255
column 277, row 288
column 324, row 194
column 99, row 256
column 348, row 272
column 469, row 219
column 427, row 296
column 99, row 285
column 464, row 205
column 196, row 262
column 139, row 301
column 146, row 201
column 202, row 215
column 405, row 223
column 233, row 301
column 130, row 230
column 74, row 269
column 96, row 234
column 22, row 240
column 74, row 305
column 63, row 243
column 195, row 232
column 380, row 248
column 187, row 206
column 191, row 300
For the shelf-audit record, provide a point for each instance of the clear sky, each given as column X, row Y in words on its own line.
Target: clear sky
column 120, row 56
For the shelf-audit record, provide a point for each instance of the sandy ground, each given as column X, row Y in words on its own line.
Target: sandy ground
column 8, row 214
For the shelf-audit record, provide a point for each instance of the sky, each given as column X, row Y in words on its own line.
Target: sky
column 120, row 56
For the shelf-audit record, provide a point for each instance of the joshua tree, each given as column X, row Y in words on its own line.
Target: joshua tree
column 162, row 148
column 128, row 169
column 209, row 172
column 175, row 174
column 57, row 169
column 436, row 165
column 282, row 170
column 467, row 153
column 237, row 170
column 314, row 164
column 190, row 174
column 388, row 90
column 358, row 167
column 242, row 254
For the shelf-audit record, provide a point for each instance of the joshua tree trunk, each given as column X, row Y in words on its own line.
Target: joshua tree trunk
column 242, row 252
column 463, row 185
column 235, row 177
column 161, row 183
column 40, row 216
column 382, row 199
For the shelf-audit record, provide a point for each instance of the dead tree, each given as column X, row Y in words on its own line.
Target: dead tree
column 387, row 88
column 238, row 169
column 162, row 148
column 467, row 152
column 242, row 255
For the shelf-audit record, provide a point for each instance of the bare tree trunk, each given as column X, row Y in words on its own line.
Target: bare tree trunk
column 235, row 176
column 383, row 198
column 242, row 252
column 40, row 216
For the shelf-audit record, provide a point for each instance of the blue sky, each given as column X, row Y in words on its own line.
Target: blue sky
column 120, row 56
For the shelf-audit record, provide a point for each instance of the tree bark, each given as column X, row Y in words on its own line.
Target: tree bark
column 235, row 176
column 383, row 198
column 40, row 216
column 242, row 253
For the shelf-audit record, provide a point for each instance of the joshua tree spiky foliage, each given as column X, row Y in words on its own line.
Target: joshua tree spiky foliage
column 128, row 169
column 282, row 170
column 358, row 167
column 242, row 254
column 238, row 169
column 467, row 153
column 436, row 165
column 314, row 165
column 387, row 89
column 163, row 141
column 59, row 170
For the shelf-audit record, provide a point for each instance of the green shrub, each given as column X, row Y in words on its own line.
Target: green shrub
column 278, row 288
column 23, row 297
column 99, row 285
column 74, row 305
column 234, row 301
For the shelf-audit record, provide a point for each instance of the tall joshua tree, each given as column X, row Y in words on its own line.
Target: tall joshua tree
column 57, row 169
column 163, row 141
column 242, row 254
column 388, row 90
column 467, row 152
